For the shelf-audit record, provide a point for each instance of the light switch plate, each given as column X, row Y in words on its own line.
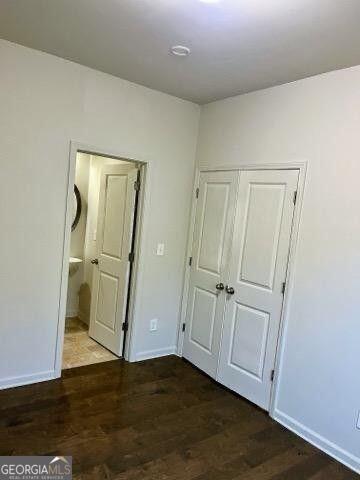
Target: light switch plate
column 160, row 249
column 153, row 325
column 358, row 420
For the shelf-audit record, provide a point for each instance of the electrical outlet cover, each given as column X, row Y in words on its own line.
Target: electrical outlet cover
column 160, row 249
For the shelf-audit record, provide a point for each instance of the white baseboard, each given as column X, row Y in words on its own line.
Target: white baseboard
column 318, row 441
column 161, row 352
column 11, row 382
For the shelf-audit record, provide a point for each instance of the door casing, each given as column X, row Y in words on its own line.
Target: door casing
column 302, row 168
column 136, row 278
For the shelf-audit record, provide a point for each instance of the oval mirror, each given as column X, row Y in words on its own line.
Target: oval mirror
column 76, row 208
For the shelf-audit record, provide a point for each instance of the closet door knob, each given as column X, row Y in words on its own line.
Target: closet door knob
column 229, row 290
column 95, row 261
column 220, row 286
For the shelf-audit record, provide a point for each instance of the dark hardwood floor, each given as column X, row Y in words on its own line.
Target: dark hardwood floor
column 156, row 420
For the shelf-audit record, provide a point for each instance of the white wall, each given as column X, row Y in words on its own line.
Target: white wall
column 315, row 120
column 77, row 243
column 46, row 102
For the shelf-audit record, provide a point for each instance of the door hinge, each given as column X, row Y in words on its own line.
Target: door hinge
column 190, row 261
column 272, row 375
column 131, row 257
column 183, row 327
column 125, row 326
column 137, row 185
column 197, row 193
column 283, row 288
column 295, row 197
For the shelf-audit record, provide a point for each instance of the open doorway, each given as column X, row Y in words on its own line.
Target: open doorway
column 101, row 260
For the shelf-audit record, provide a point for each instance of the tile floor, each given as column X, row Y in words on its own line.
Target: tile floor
column 79, row 348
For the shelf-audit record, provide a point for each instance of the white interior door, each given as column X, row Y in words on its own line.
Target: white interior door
column 258, row 266
column 113, row 245
column 212, row 234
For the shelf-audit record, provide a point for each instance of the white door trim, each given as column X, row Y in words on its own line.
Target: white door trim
column 302, row 167
column 136, row 280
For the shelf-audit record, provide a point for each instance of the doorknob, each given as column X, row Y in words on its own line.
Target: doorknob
column 229, row 290
column 95, row 261
column 220, row 286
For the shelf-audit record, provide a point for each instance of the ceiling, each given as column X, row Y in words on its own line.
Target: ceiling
column 237, row 46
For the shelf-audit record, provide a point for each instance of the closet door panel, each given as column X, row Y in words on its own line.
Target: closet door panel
column 259, row 255
column 212, row 237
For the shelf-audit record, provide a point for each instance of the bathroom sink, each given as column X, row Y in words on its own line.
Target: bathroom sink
column 75, row 260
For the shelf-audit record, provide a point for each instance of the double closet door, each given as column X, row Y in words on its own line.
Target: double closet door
column 240, row 252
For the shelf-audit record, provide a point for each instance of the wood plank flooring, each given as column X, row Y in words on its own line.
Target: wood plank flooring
column 160, row 419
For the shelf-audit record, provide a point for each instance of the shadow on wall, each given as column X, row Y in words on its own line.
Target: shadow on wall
column 79, row 294
column 85, row 302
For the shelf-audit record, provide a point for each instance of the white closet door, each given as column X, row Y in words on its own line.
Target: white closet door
column 259, row 255
column 112, row 266
column 212, row 236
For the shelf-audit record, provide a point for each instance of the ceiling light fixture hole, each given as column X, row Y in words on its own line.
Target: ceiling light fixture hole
column 180, row 50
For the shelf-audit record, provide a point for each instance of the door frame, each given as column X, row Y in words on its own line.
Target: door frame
column 75, row 148
column 291, row 264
